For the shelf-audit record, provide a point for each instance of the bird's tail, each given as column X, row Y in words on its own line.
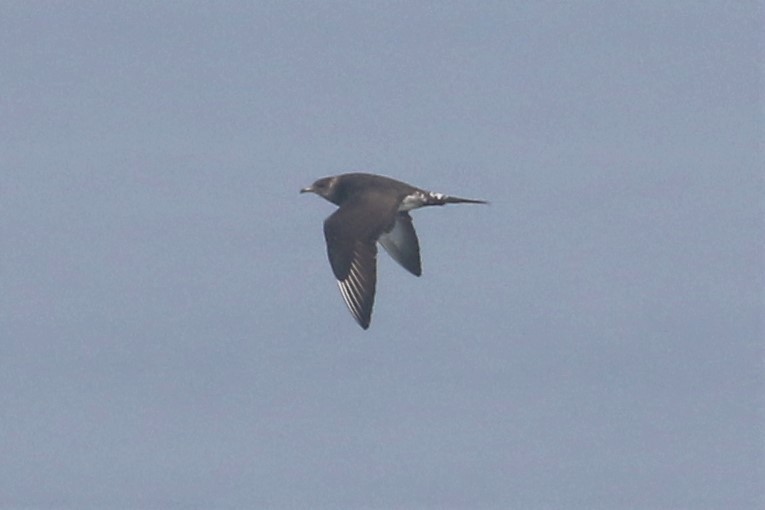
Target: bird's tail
column 458, row 200
column 441, row 199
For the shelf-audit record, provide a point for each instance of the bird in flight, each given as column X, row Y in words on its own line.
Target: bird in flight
column 372, row 209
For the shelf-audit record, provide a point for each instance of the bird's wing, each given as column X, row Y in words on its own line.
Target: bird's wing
column 351, row 233
column 358, row 288
column 401, row 244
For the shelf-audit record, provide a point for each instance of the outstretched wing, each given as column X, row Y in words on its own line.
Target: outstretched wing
column 351, row 233
column 401, row 244
column 358, row 288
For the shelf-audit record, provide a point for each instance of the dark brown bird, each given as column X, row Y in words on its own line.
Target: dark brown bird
column 372, row 209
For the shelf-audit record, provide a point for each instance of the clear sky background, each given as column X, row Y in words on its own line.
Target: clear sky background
column 171, row 335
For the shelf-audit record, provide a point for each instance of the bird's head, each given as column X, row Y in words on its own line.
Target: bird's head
column 325, row 187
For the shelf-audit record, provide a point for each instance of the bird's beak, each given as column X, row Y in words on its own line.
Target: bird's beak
column 309, row 189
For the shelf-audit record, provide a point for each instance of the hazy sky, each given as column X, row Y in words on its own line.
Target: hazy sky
column 172, row 337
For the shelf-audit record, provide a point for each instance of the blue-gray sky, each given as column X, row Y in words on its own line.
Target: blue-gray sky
column 171, row 335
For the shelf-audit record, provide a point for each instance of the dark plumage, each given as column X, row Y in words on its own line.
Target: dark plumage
column 372, row 209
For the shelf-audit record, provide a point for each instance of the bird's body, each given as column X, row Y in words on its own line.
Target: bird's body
column 372, row 209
